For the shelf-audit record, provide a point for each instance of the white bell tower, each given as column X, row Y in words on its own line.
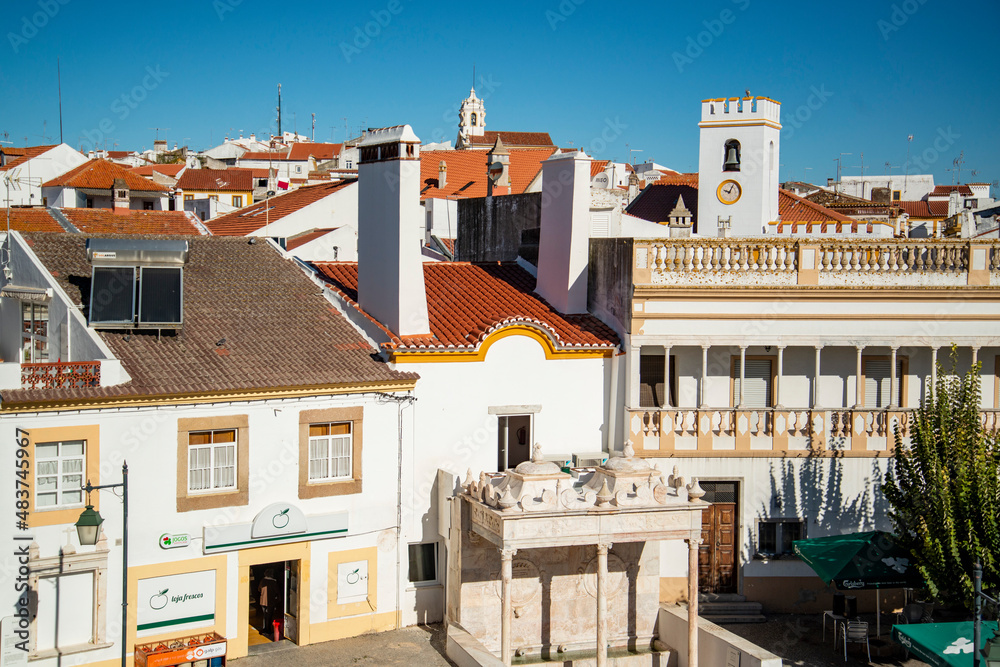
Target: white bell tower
column 738, row 165
column 471, row 117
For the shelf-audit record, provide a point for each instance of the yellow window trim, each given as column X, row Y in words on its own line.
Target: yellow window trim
column 479, row 354
column 92, row 454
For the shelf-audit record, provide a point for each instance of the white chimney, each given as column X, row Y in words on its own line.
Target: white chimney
column 390, row 223
column 564, row 246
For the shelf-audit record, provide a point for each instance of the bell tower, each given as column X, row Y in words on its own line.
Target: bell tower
column 738, row 165
column 471, row 118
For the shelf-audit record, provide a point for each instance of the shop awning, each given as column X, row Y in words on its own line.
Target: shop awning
column 942, row 644
column 32, row 294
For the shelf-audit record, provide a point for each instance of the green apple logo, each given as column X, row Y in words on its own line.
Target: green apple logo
column 353, row 577
column 280, row 519
column 159, row 601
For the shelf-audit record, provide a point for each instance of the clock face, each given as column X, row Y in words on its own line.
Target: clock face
column 729, row 192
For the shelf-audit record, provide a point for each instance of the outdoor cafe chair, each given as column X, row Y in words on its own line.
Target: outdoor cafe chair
column 856, row 632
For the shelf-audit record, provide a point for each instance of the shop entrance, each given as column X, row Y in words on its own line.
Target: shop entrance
column 274, row 603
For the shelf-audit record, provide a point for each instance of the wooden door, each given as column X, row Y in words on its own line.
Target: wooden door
column 719, row 527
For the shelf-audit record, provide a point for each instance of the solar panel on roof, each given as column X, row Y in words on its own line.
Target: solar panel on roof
column 112, row 295
column 160, row 296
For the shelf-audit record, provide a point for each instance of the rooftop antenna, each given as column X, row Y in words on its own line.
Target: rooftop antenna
column 314, row 127
column 59, row 83
column 906, row 165
column 839, row 161
column 279, row 110
column 958, row 162
column 347, row 132
column 158, row 131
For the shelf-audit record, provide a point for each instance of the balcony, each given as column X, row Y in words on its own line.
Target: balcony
column 690, row 432
column 60, row 374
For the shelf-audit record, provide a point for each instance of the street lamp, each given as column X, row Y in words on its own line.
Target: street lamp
column 992, row 650
column 88, row 528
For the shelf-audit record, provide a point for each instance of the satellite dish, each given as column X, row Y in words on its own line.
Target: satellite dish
column 496, row 171
column 270, row 193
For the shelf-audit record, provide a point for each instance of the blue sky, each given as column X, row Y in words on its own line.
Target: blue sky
column 854, row 77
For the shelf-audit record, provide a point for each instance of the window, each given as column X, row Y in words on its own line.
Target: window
column 90, row 203
column 731, row 156
column 423, row 563
column 237, row 200
column 329, row 451
column 759, row 375
column 212, row 460
column 298, row 169
column 188, row 197
column 474, row 119
column 651, row 385
column 349, row 163
column 877, row 383
column 775, row 536
column 330, row 445
column 147, row 206
column 34, row 333
column 896, row 195
column 59, row 474
column 514, row 434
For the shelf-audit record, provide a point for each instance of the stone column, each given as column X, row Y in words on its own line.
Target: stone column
column 975, row 355
column 506, row 606
column 743, row 375
column 704, row 376
column 934, row 351
column 893, row 403
column 666, row 378
column 815, row 397
column 634, row 357
column 859, row 381
column 777, row 378
column 693, row 545
column 602, row 604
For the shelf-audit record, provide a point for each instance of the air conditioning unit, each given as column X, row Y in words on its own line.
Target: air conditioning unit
column 564, row 461
column 590, row 460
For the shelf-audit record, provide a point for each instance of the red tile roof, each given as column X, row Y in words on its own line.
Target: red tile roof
column 466, row 175
column 30, row 220
column 302, row 151
column 514, row 139
column 678, row 179
column 166, row 169
column 251, row 218
column 253, row 322
column 598, row 166
column 264, row 155
column 467, row 302
column 793, row 208
column 22, row 155
column 216, row 180
column 101, row 175
column 294, row 242
column 119, row 154
column 923, row 208
column 948, row 189
column 106, row 221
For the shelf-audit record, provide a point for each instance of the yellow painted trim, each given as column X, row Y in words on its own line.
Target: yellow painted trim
column 718, row 191
column 92, row 453
column 754, row 123
column 299, row 551
column 479, row 354
column 336, row 610
column 819, row 316
column 206, row 397
column 199, row 564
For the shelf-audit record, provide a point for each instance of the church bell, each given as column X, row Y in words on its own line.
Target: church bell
column 732, row 162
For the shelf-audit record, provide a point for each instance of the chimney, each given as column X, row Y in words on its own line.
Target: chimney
column 442, row 174
column 633, row 186
column 179, row 199
column 159, row 146
column 564, row 243
column 680, row 220
column 120, row 196
column 498, row 169
column 390, row 223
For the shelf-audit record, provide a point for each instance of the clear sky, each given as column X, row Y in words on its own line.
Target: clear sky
column 853, row 77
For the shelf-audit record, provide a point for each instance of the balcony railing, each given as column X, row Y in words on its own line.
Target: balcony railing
column 695, row 432
column 61, row 374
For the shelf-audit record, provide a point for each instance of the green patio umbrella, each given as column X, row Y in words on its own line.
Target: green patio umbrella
column 860, row 561
column 942, row 644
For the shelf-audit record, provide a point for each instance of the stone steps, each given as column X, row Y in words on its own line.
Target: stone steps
column 730, row 609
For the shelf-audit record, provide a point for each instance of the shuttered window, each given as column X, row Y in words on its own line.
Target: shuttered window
column 878, row 383
column 757, row 393
column 600, row 225
column 651, row 384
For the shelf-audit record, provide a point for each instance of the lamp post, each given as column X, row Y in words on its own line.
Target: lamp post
column 88, row 528
column 992, row 650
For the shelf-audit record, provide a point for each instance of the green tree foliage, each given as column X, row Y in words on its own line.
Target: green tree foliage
column 944, row 490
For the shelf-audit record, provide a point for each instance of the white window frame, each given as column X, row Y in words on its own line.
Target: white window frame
column 60, row 489
column 29, row 338
column 212, row 468
column 436, row 581
column 348, row 439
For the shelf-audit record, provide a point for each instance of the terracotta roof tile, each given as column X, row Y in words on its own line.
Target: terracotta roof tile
column 466, row 176
column 597, row 166
column 793, row 208
column 279, row 332
column 678, row 179
column 101, row 175
column 107, row 221
column 30, row 220
column 514, row 139
column 302, row 151
column 251, row 218
column 948, row 189
column 166, row 169
column 923, row 208
column 119, row 154
column 467, row 302
column 22, row 155
column 265, row 155
column 216, row 180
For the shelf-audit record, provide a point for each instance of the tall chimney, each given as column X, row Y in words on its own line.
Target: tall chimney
column 390, row 264
column 564, row 245
column 442, row 174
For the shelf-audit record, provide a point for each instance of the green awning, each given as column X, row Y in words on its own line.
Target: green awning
column 942, row 644
column 859, row 561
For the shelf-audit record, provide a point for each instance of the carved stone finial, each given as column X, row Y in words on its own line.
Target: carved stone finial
column 604, row 496
column 507, row 501
column 695, row 492
column 536, row 453
column 629, row 450
column 467, row 484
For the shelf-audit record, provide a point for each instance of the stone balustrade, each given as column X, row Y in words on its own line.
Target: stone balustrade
column 733, row 431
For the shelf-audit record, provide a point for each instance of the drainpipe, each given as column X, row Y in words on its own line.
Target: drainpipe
column 613, row 403
column 399, row 400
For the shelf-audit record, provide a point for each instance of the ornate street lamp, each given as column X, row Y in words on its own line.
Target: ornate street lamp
column 88, row 529
column 991, row 652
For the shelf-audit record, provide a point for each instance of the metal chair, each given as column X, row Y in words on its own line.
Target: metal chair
column 911, row 613
column 856, row 632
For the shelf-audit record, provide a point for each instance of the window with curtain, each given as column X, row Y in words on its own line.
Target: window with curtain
column 330, row 449
column 212, row 460
column 59, row 474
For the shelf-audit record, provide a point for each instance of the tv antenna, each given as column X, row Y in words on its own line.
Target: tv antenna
column 839, row 161
column 958, row 162
column 157, row 138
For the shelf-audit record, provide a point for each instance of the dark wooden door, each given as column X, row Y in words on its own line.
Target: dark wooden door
column 717, row 554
